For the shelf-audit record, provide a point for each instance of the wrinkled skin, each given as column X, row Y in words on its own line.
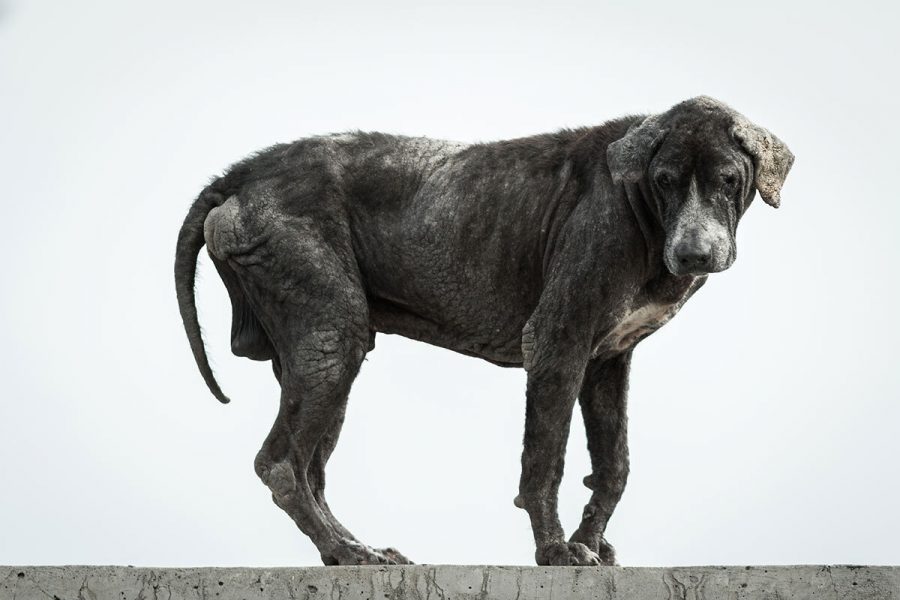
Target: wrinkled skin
column 557, row 253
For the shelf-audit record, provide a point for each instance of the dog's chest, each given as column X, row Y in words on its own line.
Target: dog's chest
column 643, row 316
column 633, row 325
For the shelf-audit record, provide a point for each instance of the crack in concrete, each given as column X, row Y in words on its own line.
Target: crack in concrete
column 433, row 579
column 84, row 588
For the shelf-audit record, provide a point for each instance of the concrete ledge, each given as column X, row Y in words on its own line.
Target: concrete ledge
column 424, row 582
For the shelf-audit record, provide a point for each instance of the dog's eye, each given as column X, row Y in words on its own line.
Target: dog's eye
column 730, row 182
column 663, row 181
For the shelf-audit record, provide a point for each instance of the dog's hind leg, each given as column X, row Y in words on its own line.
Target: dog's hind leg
column 603, row 398
column 306, row 291
column 320, row 353
column 316, row 477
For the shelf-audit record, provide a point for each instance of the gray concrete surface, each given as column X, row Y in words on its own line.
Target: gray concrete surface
column 424, row 582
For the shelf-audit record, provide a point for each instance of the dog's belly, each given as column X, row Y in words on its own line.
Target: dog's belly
column 499, row 342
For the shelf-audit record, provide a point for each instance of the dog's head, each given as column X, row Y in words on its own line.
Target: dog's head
column 702, row 163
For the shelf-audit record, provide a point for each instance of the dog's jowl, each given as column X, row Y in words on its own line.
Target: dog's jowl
column 557, row 253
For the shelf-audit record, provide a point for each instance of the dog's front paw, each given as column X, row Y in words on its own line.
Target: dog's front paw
column 607, row 554
column 600, row 546
column 561, row 554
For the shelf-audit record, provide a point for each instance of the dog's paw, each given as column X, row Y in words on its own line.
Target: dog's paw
column 598, row 545
column 395, row 556
column 607, row 554
column 562, row 554
column 349, row 552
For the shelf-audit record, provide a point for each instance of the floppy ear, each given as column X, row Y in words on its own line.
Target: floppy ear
column 629, row 156
column 771, row 158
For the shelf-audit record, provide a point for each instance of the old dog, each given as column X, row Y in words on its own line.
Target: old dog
column 557, row 253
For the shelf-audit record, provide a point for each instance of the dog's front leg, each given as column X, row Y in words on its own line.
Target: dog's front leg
column 603, row 399
column 555, row 363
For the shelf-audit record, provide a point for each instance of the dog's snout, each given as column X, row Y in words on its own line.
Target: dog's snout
column 693, row 256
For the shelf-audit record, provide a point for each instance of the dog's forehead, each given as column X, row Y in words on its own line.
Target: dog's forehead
column 699, row 116
column 699, row 129
column 705, row 103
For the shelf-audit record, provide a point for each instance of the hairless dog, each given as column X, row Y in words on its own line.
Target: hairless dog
column 557, row 253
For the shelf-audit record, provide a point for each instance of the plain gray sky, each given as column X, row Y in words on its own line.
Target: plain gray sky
column 765, row 418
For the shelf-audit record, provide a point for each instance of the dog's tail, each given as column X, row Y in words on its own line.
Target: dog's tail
column 190, row 242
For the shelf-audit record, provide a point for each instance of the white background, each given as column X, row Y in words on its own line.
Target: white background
column 764, row 419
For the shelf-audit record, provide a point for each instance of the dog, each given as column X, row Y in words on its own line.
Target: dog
column 557, row 253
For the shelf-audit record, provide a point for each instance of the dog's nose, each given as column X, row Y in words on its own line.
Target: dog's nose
column 693, row 256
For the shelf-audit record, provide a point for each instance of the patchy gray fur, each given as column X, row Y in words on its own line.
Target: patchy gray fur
column 557, row 253
column 770, row 155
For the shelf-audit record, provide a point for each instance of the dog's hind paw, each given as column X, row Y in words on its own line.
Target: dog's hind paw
column 394, row 555
column 562, row 554
column 350, row 552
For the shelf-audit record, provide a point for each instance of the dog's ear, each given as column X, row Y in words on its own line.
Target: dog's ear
column 771, row 158
column 629, row 156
